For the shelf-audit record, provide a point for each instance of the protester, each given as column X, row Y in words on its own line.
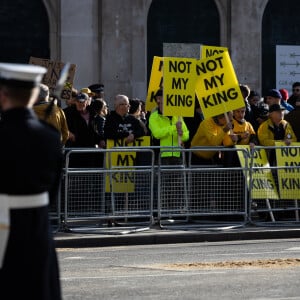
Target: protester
column 81, row 131
column 120, row 125
column 242, row 131
column 89, row 93
column 259, row 109
column 294, row 99
column 31, row 164
column 100, row 108
column 193, row 123
column 284, row 97
column 170, row 131
column 245, row 90
column 242, row 134
column 211, row 132
column 55, row 117
column 275, row 129
column 273, row 96
column 294, row 120
column 136, row 111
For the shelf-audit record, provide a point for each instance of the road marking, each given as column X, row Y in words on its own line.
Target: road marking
column 280, row 298
column 143, row 275
column 293, row 249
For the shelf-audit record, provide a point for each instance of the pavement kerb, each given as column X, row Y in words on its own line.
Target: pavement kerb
column 169, row 236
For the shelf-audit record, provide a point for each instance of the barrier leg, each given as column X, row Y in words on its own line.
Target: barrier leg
column 296, row 211
column 126, row 207
column 270, row 210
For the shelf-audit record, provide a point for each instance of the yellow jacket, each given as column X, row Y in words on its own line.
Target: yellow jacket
column 164, row 129
column 208, row 134
column 57, row 119
column 266, row 136
column 239, row 129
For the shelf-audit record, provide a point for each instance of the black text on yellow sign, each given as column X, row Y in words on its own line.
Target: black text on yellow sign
column 155, row 82
column 208, row 51
column 263, row 183
column 288, row 178
column 217, row 87
column 179, row 86
column 123, row 162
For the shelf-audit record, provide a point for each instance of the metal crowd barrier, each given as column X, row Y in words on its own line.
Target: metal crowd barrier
column 120, row 192
column 202, row 195
column 132, row 188
column 275, row 186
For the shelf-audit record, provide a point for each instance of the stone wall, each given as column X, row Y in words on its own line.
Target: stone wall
column 108, row 41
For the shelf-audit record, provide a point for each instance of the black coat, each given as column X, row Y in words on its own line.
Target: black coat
column 84, row 133
column 30, row 160
column 118, row 127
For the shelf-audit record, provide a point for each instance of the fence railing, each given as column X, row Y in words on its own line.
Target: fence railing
column 132, row 186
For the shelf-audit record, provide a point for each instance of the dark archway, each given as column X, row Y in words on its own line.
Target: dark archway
column 177, row 21
column 24, row 30
column 280, row 26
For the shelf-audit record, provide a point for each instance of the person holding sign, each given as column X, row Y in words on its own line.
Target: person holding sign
column 211, row 132
column 242, row 134
column 57, row 116
column 275, row 129
column 170, row 131
column 167, row 129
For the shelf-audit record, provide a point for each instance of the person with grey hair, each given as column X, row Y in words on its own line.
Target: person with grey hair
column 120, row 124
column 56, row 117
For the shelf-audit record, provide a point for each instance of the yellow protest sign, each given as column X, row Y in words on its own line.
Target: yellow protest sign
column 122, row 182
column 217, row 87
column 209, row 51
column 54, row 69
column 179, row 86
column 155, row 82
column 263, row 184
column 288, row 178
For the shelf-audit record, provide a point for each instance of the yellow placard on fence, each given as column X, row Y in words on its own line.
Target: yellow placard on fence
column 155, row 82
column 217, row 87
column 289, row 178
column 263, row 183
column 209, row 51
column 122, row 182
column 179, row 86
column 54, row 69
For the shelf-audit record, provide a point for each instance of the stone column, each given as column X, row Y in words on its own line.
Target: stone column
column 245, row 42
column 123, row 43
column 79, row 39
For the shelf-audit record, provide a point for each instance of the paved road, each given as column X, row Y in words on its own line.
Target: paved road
column 148, row 272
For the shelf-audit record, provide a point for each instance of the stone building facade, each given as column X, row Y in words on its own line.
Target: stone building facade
column 113, row 41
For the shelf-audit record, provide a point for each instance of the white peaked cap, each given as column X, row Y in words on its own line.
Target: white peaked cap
column 21, row 75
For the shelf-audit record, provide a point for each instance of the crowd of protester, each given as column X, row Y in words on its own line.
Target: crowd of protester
column 86, row 122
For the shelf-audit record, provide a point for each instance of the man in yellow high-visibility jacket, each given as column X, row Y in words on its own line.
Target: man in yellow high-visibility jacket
column 167, row 130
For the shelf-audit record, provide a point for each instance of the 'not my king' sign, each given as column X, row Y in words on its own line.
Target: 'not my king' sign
column 217, row 87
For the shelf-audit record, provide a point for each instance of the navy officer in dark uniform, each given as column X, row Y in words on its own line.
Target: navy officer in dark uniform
column 30, row 162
